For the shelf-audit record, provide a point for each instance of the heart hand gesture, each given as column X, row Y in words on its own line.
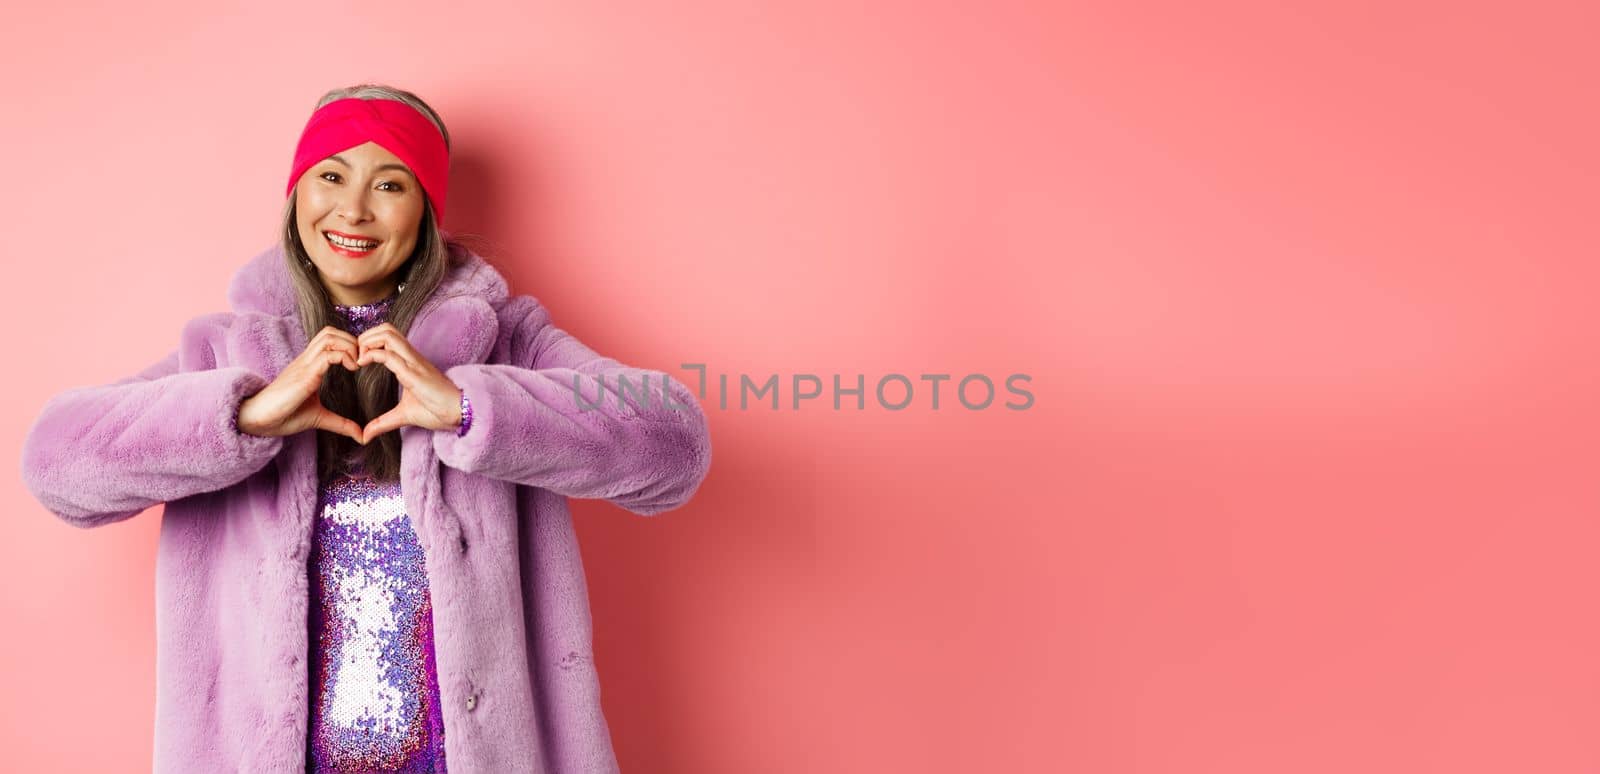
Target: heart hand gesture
column 290, row 404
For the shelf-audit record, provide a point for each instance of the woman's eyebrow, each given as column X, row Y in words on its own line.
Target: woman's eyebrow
column 391, row 165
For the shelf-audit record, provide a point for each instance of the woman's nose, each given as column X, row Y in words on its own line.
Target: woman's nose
column 354, row 208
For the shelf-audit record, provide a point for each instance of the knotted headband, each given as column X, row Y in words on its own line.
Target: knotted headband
column 401, row 129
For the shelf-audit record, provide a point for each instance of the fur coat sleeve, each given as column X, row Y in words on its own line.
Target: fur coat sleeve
column 551, row 413
column 101, row 454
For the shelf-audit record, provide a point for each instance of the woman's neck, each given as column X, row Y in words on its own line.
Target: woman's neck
column 360, row 317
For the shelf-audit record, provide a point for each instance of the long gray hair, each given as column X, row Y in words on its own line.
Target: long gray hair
column 372, row 390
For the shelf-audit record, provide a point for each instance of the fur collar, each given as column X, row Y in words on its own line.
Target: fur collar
column 458, row 324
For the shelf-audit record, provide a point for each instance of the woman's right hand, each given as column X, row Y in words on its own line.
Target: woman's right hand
column 290, row 404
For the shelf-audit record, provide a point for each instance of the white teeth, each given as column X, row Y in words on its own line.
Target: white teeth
column 350, row 243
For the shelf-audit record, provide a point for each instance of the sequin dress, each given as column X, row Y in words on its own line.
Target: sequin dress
column 374, row 683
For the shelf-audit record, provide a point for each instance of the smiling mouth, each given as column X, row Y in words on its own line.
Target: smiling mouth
column 349, row 245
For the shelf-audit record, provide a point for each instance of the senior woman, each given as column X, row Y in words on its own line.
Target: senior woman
column 366, row 559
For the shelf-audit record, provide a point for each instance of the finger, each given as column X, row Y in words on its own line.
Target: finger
column 392, row 419
column 327, row 420
column 338, row 334
column 390, row 339
column 404, row 372
column 341, row 334
column 343, row 342
column 377, row 332
column 334, row 356
column 332, row 338
column 386, row 340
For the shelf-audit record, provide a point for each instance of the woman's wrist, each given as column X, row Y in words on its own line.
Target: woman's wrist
column 238, row 414
column 466, row 415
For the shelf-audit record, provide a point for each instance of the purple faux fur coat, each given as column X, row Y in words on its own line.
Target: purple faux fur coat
column 510, row 602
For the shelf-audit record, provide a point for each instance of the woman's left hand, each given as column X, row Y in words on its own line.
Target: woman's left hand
column 427, row 397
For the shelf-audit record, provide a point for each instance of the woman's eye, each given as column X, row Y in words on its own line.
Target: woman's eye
column 332, row 177
column 393, row 186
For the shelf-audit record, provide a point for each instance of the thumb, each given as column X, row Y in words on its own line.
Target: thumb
column 327, row 420
column 383, row 423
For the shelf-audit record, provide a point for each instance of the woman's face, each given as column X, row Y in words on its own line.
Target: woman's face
column 363, row 195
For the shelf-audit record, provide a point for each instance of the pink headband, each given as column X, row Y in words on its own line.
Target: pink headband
column 401, row 129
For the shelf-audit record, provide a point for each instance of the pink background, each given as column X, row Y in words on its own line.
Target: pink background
column 1307, row 296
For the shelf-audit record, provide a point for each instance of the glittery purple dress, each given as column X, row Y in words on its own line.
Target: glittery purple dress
column 374, row 684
